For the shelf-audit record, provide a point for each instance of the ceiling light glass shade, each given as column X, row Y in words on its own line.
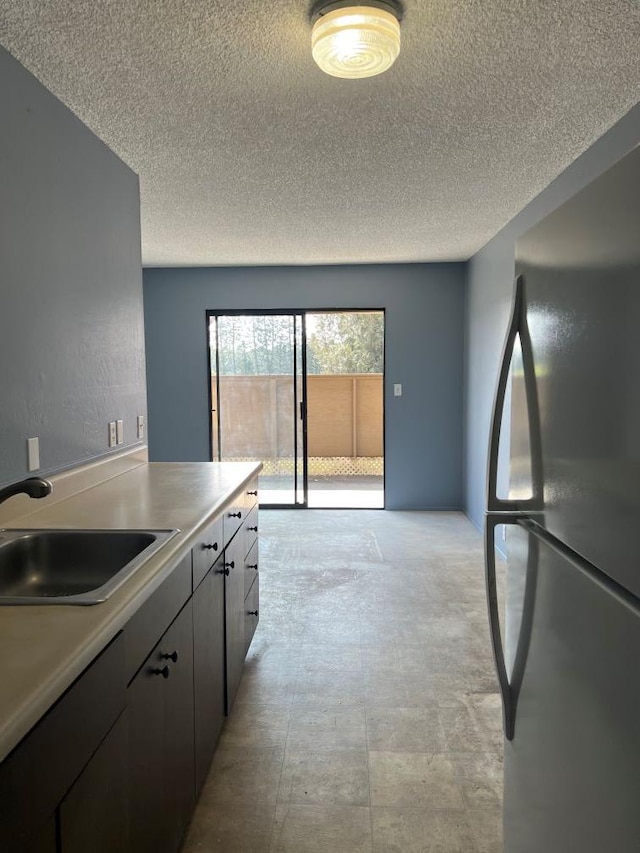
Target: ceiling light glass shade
column 355, row 41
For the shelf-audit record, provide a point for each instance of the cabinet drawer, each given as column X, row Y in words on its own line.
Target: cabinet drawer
column 250, row 568
column 252, row 493
column 251, row 529
column 234, row 516
column 237, row 512
column 207, row 550
column 154, row 617
column 41, row 769
column 251, row 613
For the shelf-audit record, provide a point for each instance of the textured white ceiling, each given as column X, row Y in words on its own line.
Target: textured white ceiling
column 248, row 154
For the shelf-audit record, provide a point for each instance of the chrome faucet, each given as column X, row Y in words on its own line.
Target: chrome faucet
column 35, row 487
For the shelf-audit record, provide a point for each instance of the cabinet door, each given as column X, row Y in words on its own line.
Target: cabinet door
column 208, row 668
column 94, row 814
column 207, row 550
column 250, row 529
column 161, row 741
column 251, row 613
column 35, row 777
column 41, row 840
column 250, row 568
column 234, row 617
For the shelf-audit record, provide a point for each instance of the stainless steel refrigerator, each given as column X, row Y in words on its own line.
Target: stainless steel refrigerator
column 568, row 648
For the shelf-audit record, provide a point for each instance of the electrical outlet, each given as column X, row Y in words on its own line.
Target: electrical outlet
column 397, row 390
column 113, row 434
column 140, row 426
column 119, row 432
column 33, row 454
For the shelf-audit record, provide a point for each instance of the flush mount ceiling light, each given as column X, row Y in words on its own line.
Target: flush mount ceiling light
column 355, row 41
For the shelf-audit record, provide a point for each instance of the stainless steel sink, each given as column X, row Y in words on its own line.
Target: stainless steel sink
column 71, row 566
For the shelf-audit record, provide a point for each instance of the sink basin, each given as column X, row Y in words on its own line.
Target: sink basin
column 71, row 566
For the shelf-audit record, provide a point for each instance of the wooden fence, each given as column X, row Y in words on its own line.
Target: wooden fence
column 345, row 416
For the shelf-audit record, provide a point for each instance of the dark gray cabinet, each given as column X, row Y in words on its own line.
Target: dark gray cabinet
column 220, row 627
column 251, row 613
column 207, row 550
column 94, row 814
column 117, row 763
column 161, row 741
column 234, row 617
column 251, row 577
column 40, row 771
column 208, row 667
column 241, row 571
column 250, row 565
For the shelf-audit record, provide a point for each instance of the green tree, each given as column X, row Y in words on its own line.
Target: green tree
column 346, row 342
column 255, row 345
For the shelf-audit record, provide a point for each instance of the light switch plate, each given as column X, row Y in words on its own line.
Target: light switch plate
column 113, row 435
column 397, row 390
column 33, row 454
column 119, row 432
column 140, row 426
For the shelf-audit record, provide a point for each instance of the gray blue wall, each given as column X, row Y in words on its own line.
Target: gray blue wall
column 71, row 323
column 489, row 289
column 424, row 351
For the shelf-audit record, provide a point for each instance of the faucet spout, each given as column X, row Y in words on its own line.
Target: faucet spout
column 35, row 487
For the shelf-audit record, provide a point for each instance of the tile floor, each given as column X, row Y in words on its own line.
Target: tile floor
column 367, row 720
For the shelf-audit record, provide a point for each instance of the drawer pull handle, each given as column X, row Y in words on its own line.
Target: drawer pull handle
column 224, row 571
column 252, row 613
column 164, row 672
column 253, row 566
column 230, row 565
column 211, row 546
column 235, row 515
column 255, row 493
column 173, row 656
column 255, row 529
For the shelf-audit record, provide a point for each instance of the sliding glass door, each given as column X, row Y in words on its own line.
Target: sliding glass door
column 345, row 409
column 257, row 399
column 303, row 393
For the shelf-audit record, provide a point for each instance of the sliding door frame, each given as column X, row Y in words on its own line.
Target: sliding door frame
column 299, row 405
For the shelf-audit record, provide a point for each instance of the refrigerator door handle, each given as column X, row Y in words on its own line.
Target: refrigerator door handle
column 494, row 503
column 492, row 520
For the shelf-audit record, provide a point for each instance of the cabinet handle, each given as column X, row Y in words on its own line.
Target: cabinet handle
column 255, row 529
column 223, row 571
column 255, row 493
column 253, row 566
column 252, row 612
column 211, row 547
column 173, row 656
column 235, row 515
column 164, row 672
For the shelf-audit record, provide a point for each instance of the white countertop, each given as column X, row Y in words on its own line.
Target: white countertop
column 44, row 648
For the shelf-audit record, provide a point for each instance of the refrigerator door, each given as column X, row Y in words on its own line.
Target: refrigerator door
column 580, row 269
column 572, row 645
column 572, row 770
